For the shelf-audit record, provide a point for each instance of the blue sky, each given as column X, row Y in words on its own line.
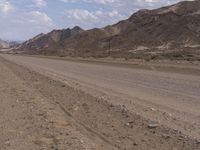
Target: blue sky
column 23, row 19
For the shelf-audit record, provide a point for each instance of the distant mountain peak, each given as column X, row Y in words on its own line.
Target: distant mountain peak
column 77, row 28
column 4, row 44
column 181, row 8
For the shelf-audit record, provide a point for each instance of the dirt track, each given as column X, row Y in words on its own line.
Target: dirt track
column 98, row 107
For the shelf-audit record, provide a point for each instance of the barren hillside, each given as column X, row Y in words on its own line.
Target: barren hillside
column 172, row 32
column 3, row 44
column 51, row 41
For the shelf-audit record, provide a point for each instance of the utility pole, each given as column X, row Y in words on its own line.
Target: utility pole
column 109, row 45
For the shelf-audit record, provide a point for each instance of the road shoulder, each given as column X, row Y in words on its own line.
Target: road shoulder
column 29, row 121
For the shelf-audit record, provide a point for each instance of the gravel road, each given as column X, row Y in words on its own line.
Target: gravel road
column 170, row 99
column 178, row 91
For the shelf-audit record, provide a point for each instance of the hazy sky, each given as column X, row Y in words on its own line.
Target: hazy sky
column 23, row 19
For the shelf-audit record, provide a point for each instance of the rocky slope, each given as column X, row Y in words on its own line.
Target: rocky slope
column 172, row 31
column 50, row 41
column 9, row 44
column 3, row 44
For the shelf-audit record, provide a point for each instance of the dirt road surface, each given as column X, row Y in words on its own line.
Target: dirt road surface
column 55, row 104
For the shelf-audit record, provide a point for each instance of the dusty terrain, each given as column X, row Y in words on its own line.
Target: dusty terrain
column 54, row 104
column 30, row 121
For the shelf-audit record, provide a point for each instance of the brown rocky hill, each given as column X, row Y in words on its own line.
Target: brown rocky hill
column 50, row 43
column 172, row 31
column 3, row 44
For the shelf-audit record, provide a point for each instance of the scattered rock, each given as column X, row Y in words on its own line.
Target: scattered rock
column 152, row 125
column 7, row 143
column 129, row 123
column 198, row 141
column 170, row 115
column 111, row 105
column 135, row 144
column 81, row 141
column 76, row 108
column 118, row 141
column 54, row 147
column 63, row 85
column 109, row 115
column 165, row 136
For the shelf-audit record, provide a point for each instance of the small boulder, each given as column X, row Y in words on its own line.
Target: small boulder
column 152, row 125
column 198, row 141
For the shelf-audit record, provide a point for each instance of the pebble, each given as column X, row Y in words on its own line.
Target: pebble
column 81, row 141
column 153, row 109
column 198, row 141
column 165, row 136
column 7, row 143
column 135, row 144
column 109, row 115
column 63, row 85
column 128, row 124
column 152, row 125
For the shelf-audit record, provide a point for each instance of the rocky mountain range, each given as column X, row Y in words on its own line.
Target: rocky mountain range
column 50, row 43
column 172, row 31
column 8, row 44
column 4, row 44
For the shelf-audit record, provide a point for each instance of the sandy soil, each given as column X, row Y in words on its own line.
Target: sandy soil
column 48, row 112
column 30, row 121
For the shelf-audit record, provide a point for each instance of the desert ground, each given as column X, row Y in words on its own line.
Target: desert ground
column 76, row 105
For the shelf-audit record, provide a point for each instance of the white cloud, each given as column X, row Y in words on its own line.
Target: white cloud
column 5, row 6
column 103, row 1
column 98, row 13
column 113, row 13
column 40, row 3
column 89, row 19
column 39, row 18
column 19, row 22
column 123, row 7
column 124, row 2
column 80, row 14
column 22, row 25
column 92, row 1
column 22, row 19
